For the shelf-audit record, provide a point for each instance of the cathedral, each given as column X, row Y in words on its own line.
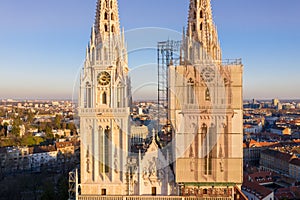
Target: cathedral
column 204, row 158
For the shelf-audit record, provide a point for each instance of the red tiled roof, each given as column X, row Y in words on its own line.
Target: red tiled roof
column 256, row 189
column 284, row 193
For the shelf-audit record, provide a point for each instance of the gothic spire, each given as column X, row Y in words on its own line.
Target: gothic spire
column 107, row 19
column 202, row 29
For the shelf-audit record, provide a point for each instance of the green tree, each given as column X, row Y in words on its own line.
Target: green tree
column 28, row 141
column 30, row 117
column 15, row 130
column 57, row 121
column 72, row 127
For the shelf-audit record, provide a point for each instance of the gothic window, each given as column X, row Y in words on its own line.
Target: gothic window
column 88, row 95
column 201, row 26
column 193, row 27
column 111, row 4
column 119, row 96
column 207, row 95
column 112, row 16
column 112, row 28
column 105, row 16
column 153, row 191
column 195, row 15
column 105, row 27
column 204, row 129
column 107, row 136
column 190, row 91
column 104, row 98
column 106, row 3
column 100, row 147
column 195, row 3
column 201, row 14
column 207, row 150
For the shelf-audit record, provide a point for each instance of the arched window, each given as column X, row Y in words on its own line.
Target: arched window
column 193, row 27
column 195, row 15
column 107, row 138
column 119, row 96
column 105, row 16
column 195, row 3
column 201, row 26
column 88, row 95
column 204, row 129
column 201, row 14
column 111, row 4
column 105, row 28
column 112, row 16
column 104, row 98
column 112, row 28
column 207, row 95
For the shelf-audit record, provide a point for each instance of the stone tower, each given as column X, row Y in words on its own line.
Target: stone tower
column 205, row 102
column 104, row 106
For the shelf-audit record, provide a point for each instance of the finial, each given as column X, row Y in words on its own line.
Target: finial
column 153, row 134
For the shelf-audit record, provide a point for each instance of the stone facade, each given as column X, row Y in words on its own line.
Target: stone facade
column 205, row 112
column 205, row 102
column 104, row 106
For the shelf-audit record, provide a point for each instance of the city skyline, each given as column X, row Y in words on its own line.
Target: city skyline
column 43, row 43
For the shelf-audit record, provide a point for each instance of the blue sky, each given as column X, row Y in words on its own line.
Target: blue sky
column 42, row 43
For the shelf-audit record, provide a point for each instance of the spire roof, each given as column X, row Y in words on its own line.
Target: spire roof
column 107, row 19
column 202, row 28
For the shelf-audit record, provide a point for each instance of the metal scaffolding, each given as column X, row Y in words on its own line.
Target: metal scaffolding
column 73, row 185
column 168, row 53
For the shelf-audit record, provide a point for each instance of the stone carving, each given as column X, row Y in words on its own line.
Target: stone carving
column 88, row 161
column 116, row 160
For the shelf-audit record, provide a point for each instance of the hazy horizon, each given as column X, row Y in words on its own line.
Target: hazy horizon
column 43, row 44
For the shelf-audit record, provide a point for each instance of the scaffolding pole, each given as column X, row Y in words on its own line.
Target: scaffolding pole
column 73, row 185
column 168, row 53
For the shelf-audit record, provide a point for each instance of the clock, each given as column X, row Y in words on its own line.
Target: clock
column 103, row 78
column 208, row 74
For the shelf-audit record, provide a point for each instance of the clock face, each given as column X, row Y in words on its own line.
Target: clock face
column 104, row 78
column 208, row 74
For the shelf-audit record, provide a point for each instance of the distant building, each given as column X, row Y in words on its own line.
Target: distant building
column 276, row 161
column 275, row 102
column 294, row 168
